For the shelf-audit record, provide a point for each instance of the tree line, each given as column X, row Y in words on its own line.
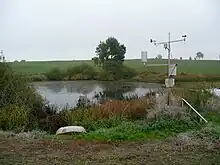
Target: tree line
column 198, row 56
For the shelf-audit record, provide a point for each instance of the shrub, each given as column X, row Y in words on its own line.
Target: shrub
column 113, row 111
column 125, row 72
column 52, row 122
column 55, row 74
column 19, row 101
column 37, row 77
column 120, row 72
column 13, row 117
column 149, row 76
column 105, row 76
column 81, row 72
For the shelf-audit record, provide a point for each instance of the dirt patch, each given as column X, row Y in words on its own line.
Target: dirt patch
column 46, row 152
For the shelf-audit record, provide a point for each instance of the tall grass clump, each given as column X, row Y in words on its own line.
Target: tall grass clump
column 81, row 72
column 13, row 117
column 37, row 77
column 55, row 74
column 197, row 95
column 88, row 72
column 109, row 112
column 125, row 73
column 120, row 72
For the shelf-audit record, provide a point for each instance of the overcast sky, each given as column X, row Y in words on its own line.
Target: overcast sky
column 71, row 29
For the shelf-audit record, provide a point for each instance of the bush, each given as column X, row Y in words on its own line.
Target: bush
column 196, row 96
column 105, row 76
column 55, row 74
column 108, row 114
column 87, row 72
column 13, row 117
column 117, row 73
column 37, row 77
column 125, row 73
column 20, row 104
column 51, row 123
column 81, row 72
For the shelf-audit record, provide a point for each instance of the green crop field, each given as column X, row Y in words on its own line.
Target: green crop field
column 187, row 66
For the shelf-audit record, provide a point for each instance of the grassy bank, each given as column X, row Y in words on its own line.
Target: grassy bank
column 188, row 70
column 88, row 72
column 184, row 66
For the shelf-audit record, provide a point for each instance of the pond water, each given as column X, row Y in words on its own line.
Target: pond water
column 67, row 93
column 216, row 91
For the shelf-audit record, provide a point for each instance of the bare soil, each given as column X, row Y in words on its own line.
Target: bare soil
column 73, row 152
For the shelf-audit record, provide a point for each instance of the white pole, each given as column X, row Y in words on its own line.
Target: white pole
column 195, row 110
column 169, row 56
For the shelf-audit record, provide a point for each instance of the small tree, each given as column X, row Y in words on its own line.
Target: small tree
column 190, row 58
column 159, row 56
column 96, row 61
column 110, row 53
column 199, row 55
column 181, row 58
column 3, row 58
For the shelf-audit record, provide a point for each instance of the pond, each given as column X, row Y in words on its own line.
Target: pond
column 66, row 93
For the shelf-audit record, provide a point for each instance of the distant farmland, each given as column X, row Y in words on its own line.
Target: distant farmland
column 186, row 66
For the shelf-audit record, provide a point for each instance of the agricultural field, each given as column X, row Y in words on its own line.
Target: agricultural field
column 204, row 67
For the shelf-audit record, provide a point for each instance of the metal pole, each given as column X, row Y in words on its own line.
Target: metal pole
column 169, row 56
column 168, row 94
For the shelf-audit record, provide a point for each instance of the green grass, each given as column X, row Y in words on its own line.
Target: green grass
column 187, row 66
column 140, row 130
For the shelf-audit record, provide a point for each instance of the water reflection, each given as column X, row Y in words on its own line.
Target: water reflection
column 216, row 91
column 67, row 93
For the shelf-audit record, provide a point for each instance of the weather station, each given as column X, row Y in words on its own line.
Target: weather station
column 170, row 80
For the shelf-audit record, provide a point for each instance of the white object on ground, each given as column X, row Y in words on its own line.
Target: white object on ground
column 69, row 129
